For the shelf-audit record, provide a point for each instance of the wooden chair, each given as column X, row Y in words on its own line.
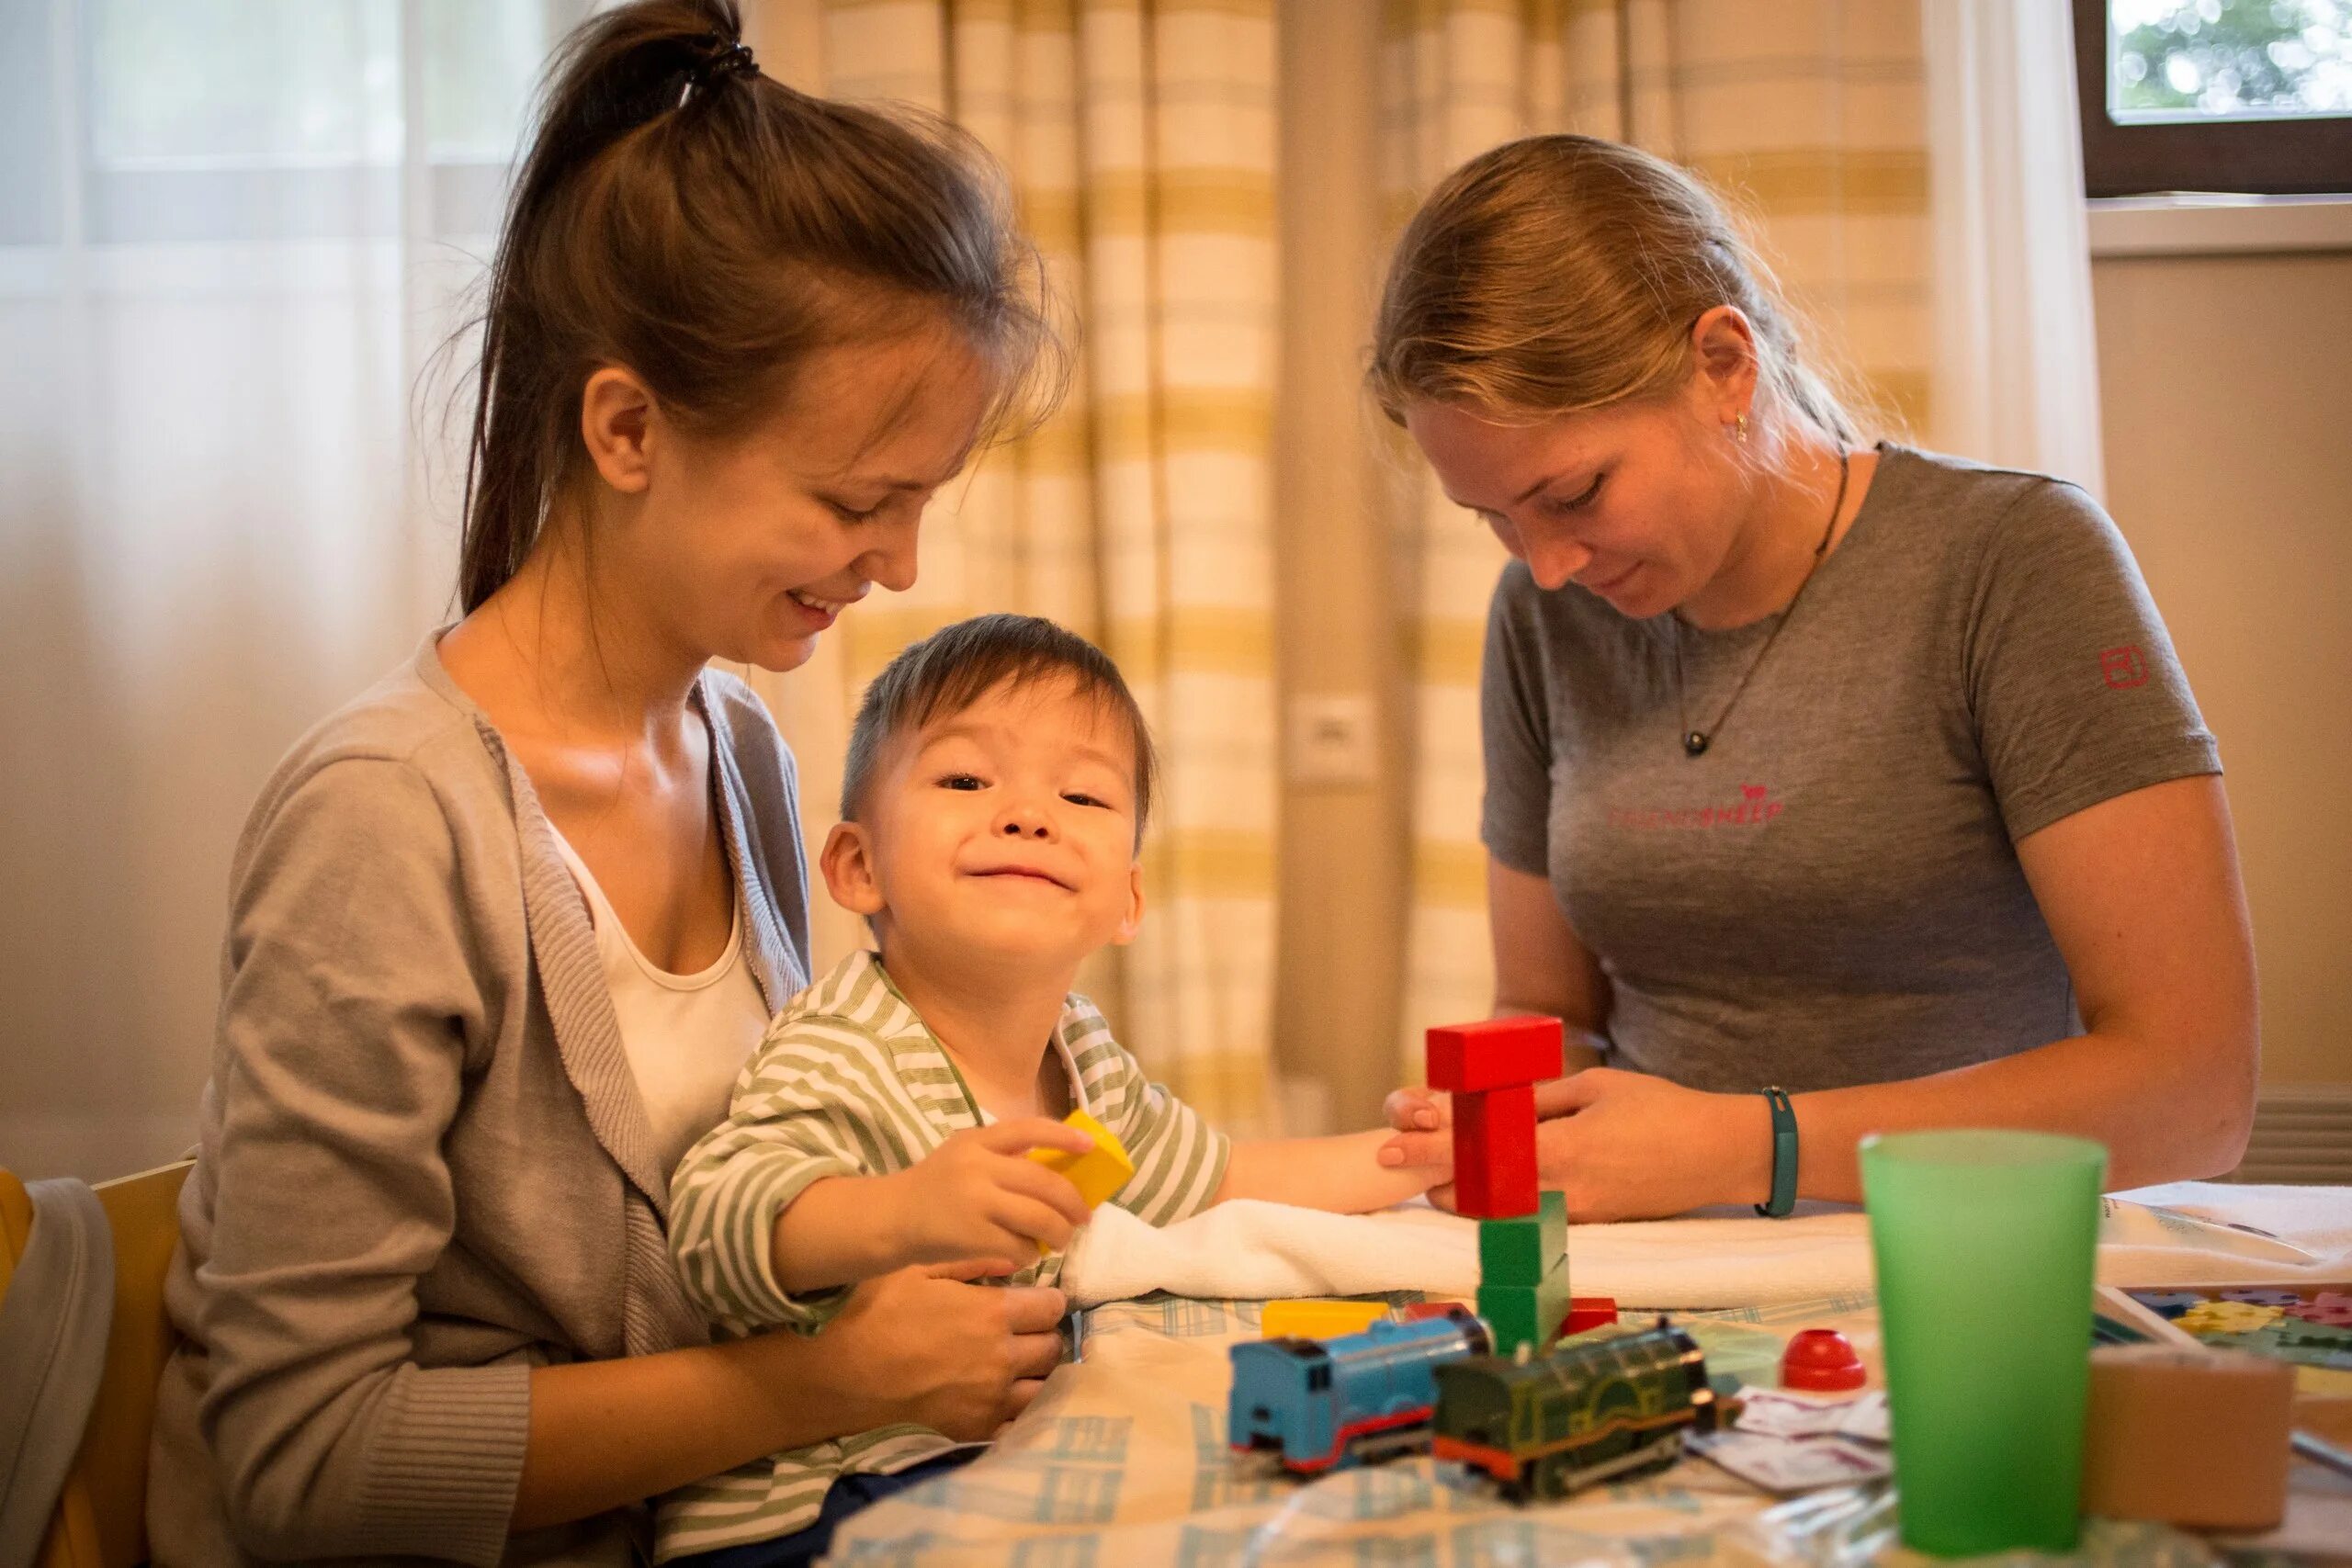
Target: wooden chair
column 101, row 1519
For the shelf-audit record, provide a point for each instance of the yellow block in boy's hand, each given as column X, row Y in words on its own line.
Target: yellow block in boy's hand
column 1099, row 1172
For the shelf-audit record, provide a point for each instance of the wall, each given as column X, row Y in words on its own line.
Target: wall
column 1345, row 847
column 2226, row 383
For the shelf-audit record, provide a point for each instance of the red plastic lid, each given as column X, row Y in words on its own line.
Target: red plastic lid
column 1822, row 1361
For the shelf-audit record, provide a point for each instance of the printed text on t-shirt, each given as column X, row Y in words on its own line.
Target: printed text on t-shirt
column 1756, row 807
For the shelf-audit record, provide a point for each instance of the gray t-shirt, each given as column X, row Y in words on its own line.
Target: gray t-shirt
column 1829, row 895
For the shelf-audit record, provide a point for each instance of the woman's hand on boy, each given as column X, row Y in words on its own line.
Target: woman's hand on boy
column 927, row 1347
column 978, row 1195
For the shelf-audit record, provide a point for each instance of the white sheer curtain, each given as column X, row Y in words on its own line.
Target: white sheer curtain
column 2016, row 360
column 231, row 234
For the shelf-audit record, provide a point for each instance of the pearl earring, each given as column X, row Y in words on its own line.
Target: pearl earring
column 1739, row 430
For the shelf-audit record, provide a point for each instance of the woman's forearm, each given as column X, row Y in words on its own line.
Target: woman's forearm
column 2164, row 1112
column 606, row 1434
column 1341, row 1174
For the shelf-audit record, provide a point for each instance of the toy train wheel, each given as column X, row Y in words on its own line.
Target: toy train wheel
column 1374, row 1447
column 1555, row 1476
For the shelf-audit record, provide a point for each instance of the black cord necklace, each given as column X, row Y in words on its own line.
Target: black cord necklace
column 1696, row 741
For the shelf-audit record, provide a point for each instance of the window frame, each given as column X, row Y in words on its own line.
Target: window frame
column 2284, row 156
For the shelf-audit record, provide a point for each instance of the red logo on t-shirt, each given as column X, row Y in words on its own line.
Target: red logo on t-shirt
column 1756, row 807
column 2123, row 668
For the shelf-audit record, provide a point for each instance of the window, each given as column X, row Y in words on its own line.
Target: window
column 2250, row 95
column 266, row 120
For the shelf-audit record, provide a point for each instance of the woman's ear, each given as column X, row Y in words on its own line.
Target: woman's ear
column 1722, row 350
column 618, row 416
column 848, row 863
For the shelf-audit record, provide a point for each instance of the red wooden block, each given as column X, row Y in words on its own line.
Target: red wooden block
column 1496, row 1053
column 1415, row 1312
column 1589, row 1312
column 1493, row 1152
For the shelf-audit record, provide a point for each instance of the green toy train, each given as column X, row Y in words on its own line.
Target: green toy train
column 1591, row 1410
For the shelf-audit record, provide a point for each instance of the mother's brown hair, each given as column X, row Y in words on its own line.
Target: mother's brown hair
column 1557, row 274
column 707, row 227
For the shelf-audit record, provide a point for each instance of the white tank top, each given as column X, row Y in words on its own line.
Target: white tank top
column 686, row 1036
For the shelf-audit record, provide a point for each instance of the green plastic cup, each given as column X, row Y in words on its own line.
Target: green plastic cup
column 1985, row 1243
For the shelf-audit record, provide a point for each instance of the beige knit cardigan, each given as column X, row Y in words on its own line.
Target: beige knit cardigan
column 425, row 1168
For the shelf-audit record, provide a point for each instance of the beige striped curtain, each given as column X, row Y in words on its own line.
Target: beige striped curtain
column 1808, row 115
column 1140, row 139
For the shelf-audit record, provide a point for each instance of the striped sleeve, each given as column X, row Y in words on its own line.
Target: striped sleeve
column 1179, row 1159
column 814, row 1102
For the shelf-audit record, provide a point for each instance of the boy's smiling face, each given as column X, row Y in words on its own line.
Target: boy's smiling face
column 1006, row 830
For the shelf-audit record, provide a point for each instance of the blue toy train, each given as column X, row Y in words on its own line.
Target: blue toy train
column 1325, row 1403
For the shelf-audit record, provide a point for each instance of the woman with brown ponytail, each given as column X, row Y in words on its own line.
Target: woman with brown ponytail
column 503, row 931
column 1831, row 786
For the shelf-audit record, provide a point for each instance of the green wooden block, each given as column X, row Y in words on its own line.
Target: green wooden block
column 1526, row 1315
column 1522, row 1251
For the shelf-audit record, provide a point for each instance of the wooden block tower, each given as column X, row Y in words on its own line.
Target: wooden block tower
column 1491, row 1069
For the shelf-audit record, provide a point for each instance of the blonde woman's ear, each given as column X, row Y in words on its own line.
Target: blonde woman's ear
column 1722, row 351
column 847, row 863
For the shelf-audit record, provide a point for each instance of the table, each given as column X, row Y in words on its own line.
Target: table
column 1121, row 1463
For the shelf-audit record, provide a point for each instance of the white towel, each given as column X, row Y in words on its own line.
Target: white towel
column 1252, row 1250
column 2188, row 1232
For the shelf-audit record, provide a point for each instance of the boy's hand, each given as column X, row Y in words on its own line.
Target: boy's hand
column 978, row 1195
column 1419, row 1110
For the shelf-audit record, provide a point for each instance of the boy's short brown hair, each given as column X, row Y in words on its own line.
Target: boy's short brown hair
column 954, row 667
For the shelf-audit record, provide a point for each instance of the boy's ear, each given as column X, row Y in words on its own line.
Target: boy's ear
column 1128, row 926
column 848, row 863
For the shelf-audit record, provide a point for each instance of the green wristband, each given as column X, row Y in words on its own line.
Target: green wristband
column 1785, row 1156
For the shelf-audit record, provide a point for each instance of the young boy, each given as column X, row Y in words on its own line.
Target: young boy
column 998, row 780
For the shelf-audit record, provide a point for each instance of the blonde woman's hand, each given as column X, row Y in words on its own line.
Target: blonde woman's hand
column 1626, row 1146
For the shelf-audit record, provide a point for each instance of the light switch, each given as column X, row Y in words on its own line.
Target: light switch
column 1334, row 740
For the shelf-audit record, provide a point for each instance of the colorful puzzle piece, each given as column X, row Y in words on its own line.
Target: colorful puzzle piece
column 2306, row 1333
column 2261, row 1295
column 2227, row 1317
column 2329, row 1307
column 2167, row 1304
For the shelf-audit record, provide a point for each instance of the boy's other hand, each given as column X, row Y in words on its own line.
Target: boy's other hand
column 1419, row 1110
column 1423, row 1120
column 978, row 1195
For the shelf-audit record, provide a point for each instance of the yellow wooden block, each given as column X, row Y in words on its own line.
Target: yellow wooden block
column 1318, row 1319
column 1100, row 1170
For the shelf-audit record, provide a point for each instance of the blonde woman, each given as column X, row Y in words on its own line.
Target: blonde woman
column 1831, row 786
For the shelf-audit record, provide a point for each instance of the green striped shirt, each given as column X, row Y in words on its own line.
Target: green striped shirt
column 851, row 1082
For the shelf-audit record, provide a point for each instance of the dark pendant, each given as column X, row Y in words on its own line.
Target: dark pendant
column 1695, row 743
